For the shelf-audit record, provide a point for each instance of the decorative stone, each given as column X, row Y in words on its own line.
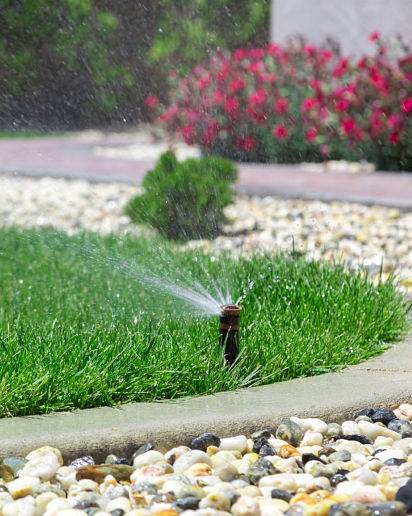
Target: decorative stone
column 340, row 456
column 203, row 441
column 42, row 463
column 400, row 426
column 227, row 472
column 175, row 453
column 281, row 494
column 290, row 432
column 199, row 469
column 350, row 428
column 260, row 469
column 312, row 439
column 188, row 502
column 144, row 448
column 15, row 464
column 6, row 473
column 87, row 460
column 147, row 458
column 99, row 472
column 188, row 459
column 404, row 495
column 287, row 450
column 21, row 487
column 218, row 501
column 114, row 459
column 334, row 430
column 373, row 430
column 24, row 507
column 383, row 415
column 246, row 506
column 311, row 424
column 237, row 443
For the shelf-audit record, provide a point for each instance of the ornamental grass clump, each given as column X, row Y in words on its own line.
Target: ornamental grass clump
column 298, row 103
column 185, row 200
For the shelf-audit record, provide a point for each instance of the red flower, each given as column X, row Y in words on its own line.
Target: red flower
column 362, row 63
column 203, row 82
column 394, row 121
column 219, row 97
column 188, row 133
column 239, row 54
column 246, row 143
column 256, row 67
column 169, row 115
column 274, row 50
column 270, row 78
column 151, row 101
column 357, row 133
column 394, row 137
column 376, row 122
column 280, row 132
column 191, row 116
column 340, row 68
column 309, row 50
column 236, row 84
column 311, row 134
column 308, row 104
column 374, row 36
column 348, row 125
column 210, row 134
column 342, row 105
column 326, row 55
column 281, row 106
column 407, row 105
column 257, row 98
column 256, row 53
column 231, row 105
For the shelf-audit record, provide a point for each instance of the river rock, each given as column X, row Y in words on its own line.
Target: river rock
column 203, row 441
column 42, row 463
column 383, row 415
column 404, row 495
column 99, row 472
column 373, row 430
column 147, row 458
column 312, row 424
column 246, row 506
column 237, row 443
column 188, row 459
column 23, row 507
column 21, row 487
column 290, row 432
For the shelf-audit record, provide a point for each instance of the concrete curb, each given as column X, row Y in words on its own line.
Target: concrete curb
column 385, row 380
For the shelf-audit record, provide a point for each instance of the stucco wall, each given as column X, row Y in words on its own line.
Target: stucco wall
column 348, row 21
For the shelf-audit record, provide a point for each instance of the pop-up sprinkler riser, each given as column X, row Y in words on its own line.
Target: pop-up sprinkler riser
column 229, row 332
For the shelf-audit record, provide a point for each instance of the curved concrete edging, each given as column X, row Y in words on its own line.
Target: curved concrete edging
column 385, row 380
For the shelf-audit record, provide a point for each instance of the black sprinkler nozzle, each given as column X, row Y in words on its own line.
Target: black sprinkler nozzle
column 229, row 332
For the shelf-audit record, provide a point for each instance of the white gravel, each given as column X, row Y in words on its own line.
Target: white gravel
column 372, row 236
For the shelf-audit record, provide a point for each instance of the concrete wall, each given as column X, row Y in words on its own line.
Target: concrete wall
column 348, row 21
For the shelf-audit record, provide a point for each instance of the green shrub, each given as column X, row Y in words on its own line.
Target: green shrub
column 185, row 200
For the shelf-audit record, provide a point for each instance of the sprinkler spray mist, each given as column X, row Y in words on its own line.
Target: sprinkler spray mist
column 229, row 332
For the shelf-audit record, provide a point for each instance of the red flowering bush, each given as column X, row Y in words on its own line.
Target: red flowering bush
column 298, row 103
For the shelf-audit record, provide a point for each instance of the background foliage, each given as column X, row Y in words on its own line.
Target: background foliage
column 82, row 63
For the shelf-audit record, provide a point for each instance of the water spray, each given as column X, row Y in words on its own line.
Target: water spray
column 229, row 332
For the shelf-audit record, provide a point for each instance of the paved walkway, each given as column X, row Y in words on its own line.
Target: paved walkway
column 75, row 157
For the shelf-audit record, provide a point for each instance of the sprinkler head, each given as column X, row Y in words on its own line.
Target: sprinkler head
column 229, row 332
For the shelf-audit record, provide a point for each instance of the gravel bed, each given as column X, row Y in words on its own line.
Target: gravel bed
column 372, row 236
column 303, row 467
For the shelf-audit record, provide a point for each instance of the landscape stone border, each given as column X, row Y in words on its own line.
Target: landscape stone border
column 385, row 380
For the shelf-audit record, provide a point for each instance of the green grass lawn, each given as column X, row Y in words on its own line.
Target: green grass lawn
column 80, row 328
